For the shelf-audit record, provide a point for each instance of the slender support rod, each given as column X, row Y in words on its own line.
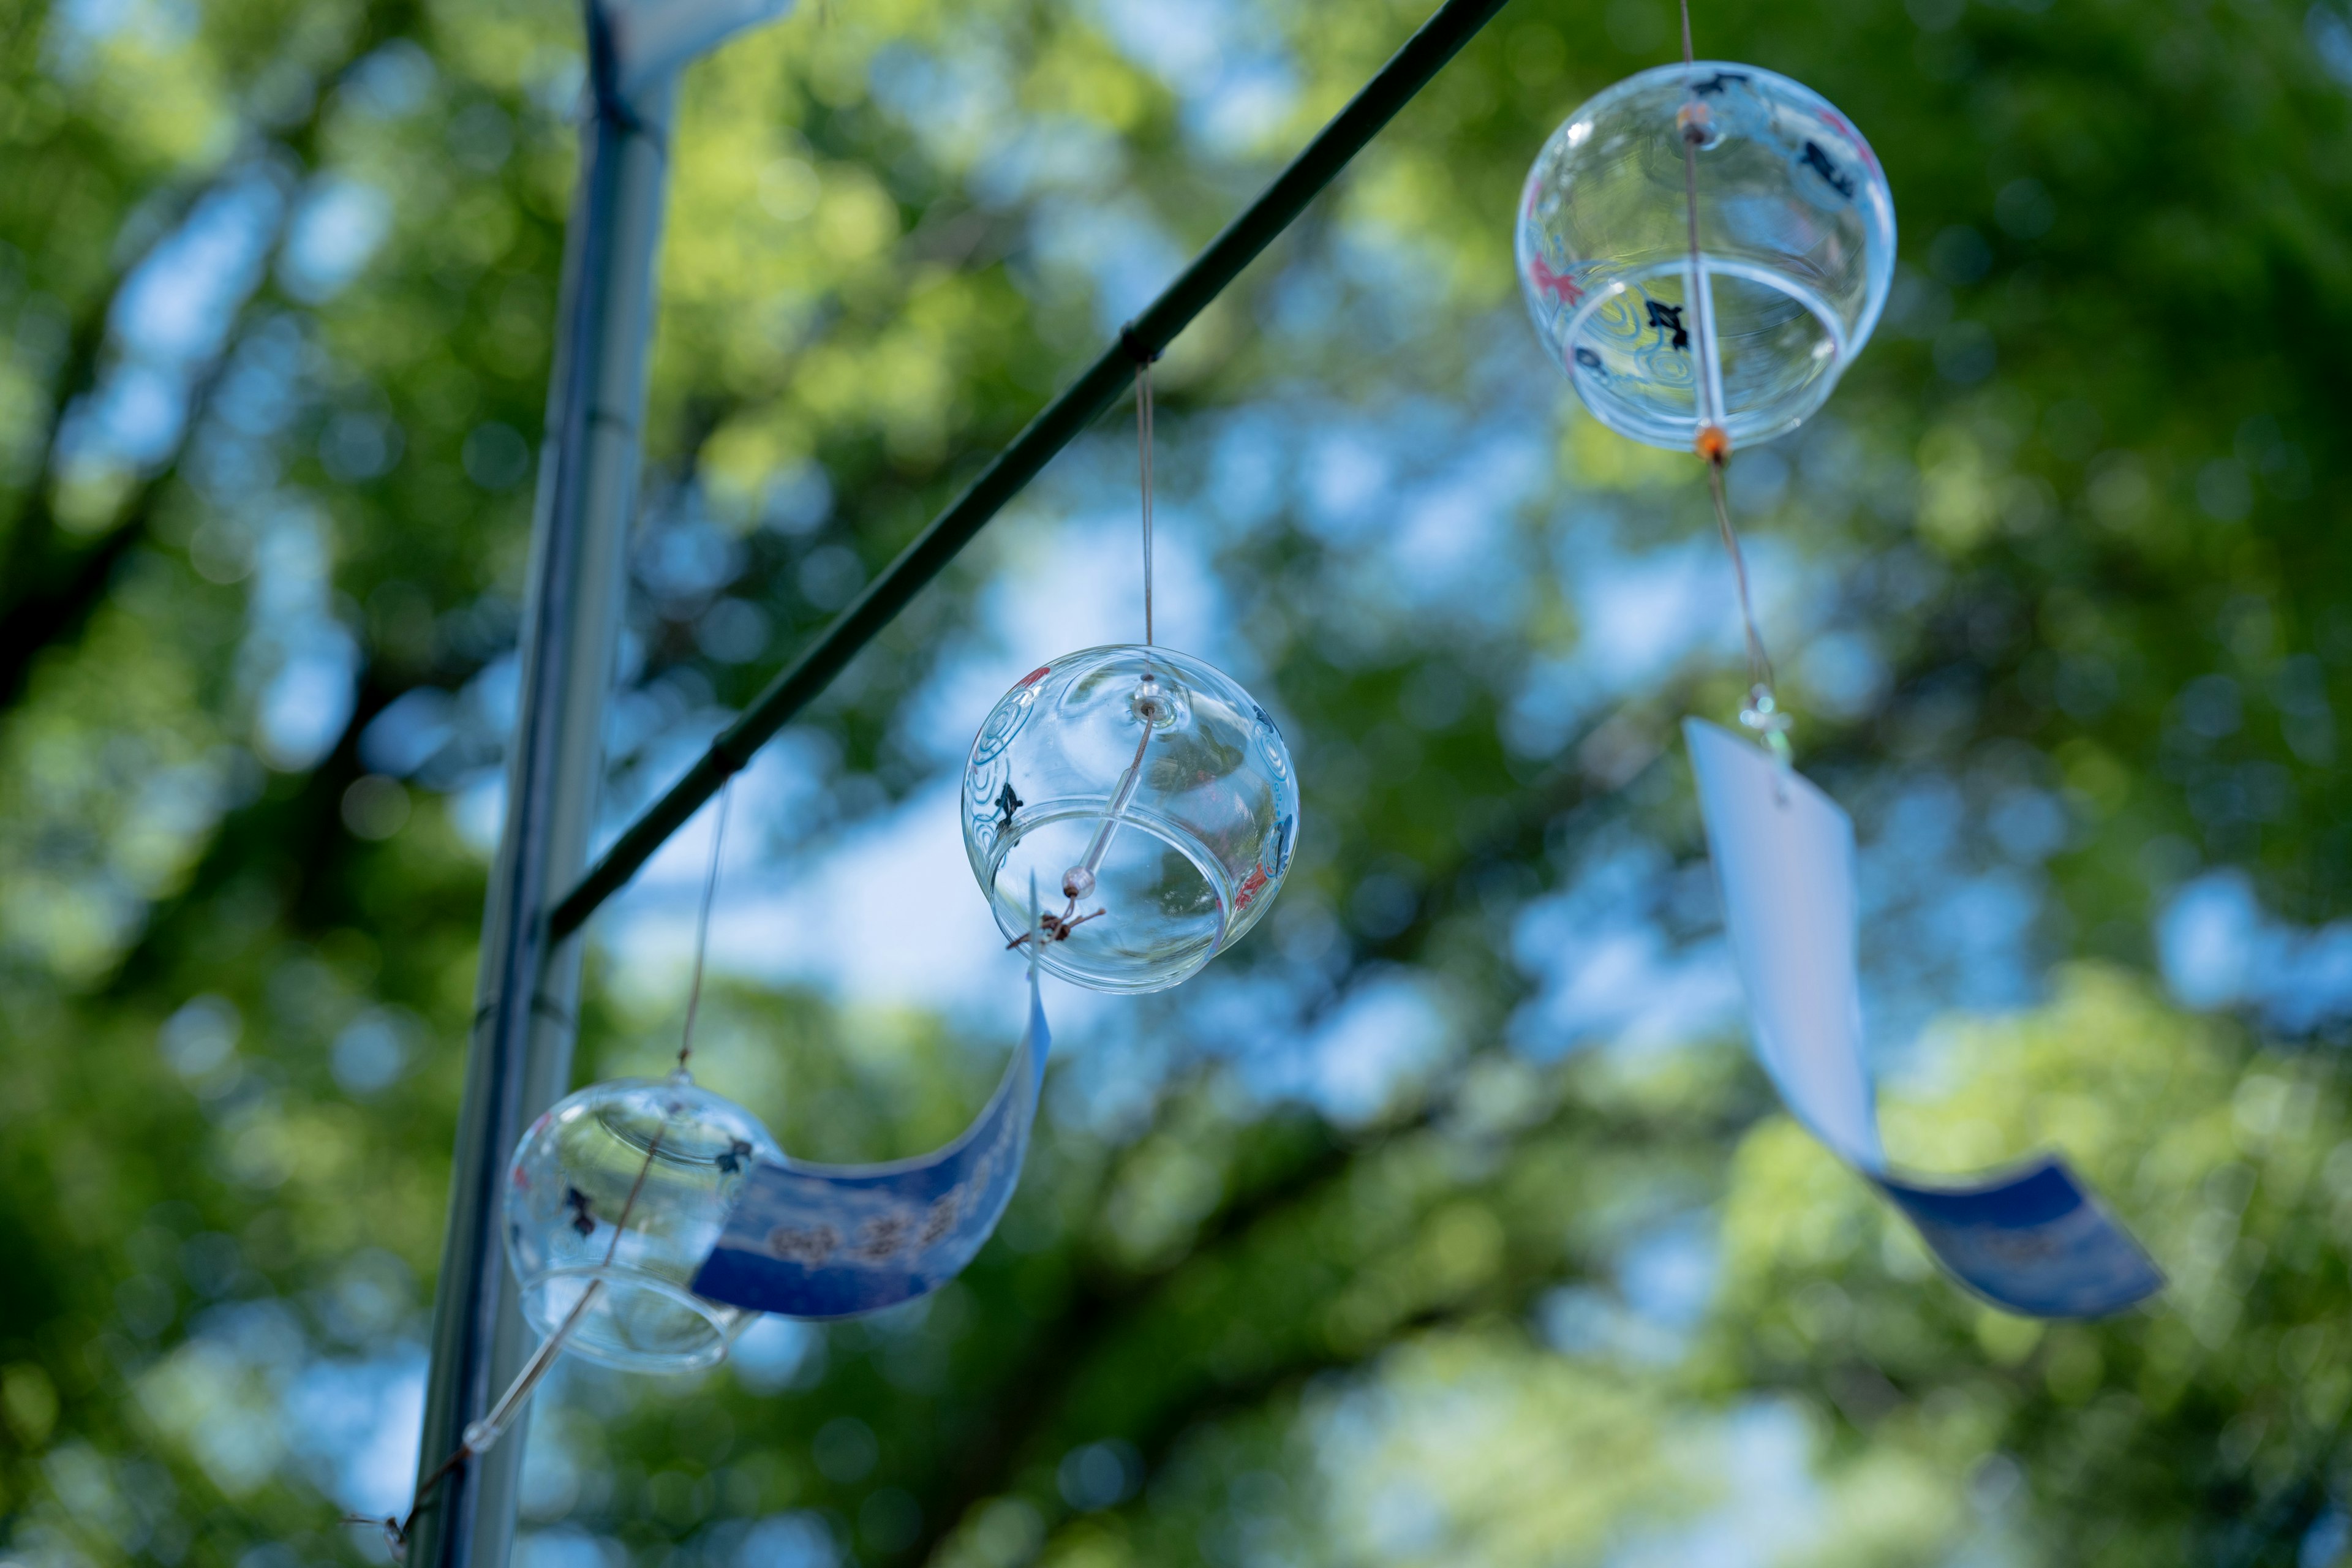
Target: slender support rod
column 1406, row 73
column 521, row 1055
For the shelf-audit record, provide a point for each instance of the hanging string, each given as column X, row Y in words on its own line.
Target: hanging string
column 1080, row 880
column 1762, row 713
column 1713, row 444
column 482, row 1436
column 702, row 926
column 1696, row 122
column 1143, row 433
column 1760, row 663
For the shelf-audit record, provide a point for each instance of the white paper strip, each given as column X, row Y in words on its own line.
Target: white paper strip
column 1783, row 856
column 2033, row 1240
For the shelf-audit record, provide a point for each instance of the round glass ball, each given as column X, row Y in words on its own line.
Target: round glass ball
column 685, row 1152
column 1152, row 799
column 1796, row 239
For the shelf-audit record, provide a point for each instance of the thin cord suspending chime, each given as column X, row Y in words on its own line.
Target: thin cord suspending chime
column 1144, row 443
column 1080, row 880
column 702, row 928
column 1695, row 123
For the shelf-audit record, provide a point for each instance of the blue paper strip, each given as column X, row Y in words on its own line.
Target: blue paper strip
column 827, row 1241
column 2033, row 1241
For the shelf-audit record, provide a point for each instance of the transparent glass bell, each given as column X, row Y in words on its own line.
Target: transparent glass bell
column 1795, row 240
column 657, row 1163
column 1152, row 799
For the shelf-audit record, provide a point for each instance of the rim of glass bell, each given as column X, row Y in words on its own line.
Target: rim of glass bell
column 1053, row 957
column 1745, row 427
column 1239, row 905
column 549, row 1296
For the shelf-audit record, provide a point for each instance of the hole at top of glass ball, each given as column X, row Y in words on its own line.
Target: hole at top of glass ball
column 1695, row 123
column 1162, row 706
column 1146, row 797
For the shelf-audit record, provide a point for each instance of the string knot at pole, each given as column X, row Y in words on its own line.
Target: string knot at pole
column 1136, row 349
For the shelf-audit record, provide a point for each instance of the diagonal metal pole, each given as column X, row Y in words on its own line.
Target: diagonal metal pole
column 520, row 1055
column 1405, row 74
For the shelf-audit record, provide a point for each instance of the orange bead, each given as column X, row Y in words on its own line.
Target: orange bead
column 1714, row 443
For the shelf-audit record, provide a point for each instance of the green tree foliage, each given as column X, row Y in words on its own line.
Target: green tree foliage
column 1445, row 1220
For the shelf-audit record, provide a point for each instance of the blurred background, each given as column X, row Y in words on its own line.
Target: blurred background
column 1445, row 1221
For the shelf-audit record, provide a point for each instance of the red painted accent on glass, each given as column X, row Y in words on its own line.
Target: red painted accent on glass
column 1558, row 285
column 1860, row 145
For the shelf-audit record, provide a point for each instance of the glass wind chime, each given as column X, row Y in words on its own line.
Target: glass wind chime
column 1141, row 784
column 649, row 1220
column 1704, row 247
column 614, row 1198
